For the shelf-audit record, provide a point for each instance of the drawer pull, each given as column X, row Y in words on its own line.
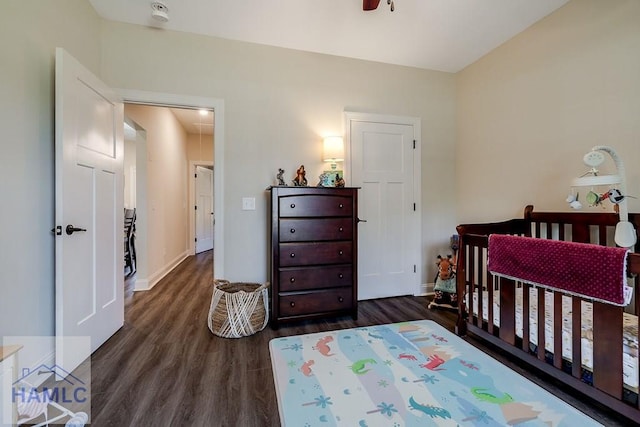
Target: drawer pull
column 293, row 230
column 340, row 229
column 340, row 253
column 293, row 279
column 292, row 304
column 341, row 276
column 340, row 205
column 293, row 205
column 292, row 255
column 340, row 299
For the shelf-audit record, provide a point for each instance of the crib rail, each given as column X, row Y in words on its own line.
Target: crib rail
column 605, row 378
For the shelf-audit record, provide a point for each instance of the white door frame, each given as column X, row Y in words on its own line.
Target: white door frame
column 217, row 105
column 192, row 202
column 354, row 116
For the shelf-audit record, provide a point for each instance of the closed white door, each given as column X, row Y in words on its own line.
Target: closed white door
column 89, row 211
column 204, row 209
column 382, row 164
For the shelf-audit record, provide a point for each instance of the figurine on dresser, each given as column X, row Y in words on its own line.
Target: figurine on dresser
column 301, row 177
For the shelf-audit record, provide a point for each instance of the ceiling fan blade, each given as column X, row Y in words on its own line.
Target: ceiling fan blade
column 370, row 4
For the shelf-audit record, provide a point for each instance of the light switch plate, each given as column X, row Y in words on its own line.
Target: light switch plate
column 248, row 204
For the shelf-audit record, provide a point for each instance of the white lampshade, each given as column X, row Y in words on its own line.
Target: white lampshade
column 333, row 149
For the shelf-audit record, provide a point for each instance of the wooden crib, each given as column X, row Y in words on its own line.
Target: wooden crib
column 516, row 315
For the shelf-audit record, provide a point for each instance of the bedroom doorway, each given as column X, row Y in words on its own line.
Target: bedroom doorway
column 196, row 102
column 384, row 158
column 203, row 216
column 177, row 139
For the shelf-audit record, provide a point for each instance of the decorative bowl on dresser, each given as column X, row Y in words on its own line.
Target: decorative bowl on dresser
column 313, row 253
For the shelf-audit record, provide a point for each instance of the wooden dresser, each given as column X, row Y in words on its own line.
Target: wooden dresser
column 313, row 253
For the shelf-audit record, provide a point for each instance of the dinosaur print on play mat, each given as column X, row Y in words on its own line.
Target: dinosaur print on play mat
column 405, row 374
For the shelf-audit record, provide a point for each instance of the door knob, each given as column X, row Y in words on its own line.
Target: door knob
column 71, row 229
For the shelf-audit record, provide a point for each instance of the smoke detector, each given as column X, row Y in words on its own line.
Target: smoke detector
column 159, row 11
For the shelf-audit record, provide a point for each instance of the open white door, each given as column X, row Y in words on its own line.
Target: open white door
column 89, row 120
column 382, row 165
column 204, row 209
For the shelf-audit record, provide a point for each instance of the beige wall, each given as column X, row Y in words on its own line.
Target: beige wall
column 520, row 118
column 129, row 173
column 199, row 147
column 528, row 111
column 30, row 30
column 278, row 105
column 166, row 189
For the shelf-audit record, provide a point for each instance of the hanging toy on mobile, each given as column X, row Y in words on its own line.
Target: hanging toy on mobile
column 615, row 196
column 573, row 201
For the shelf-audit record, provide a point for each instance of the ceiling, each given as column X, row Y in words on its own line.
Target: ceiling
column 444, row 35
column 192, row 121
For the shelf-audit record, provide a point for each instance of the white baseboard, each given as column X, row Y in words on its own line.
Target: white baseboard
column 149, row 283
column 426, row 289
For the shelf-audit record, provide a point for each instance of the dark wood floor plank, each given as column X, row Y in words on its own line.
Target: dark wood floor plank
column 165, row 367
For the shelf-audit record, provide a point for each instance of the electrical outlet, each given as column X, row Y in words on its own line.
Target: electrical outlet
column 248, row 204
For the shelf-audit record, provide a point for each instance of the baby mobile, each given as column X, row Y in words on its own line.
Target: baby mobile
column 592, row 178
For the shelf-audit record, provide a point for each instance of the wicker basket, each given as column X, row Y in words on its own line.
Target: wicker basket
column 238, row 309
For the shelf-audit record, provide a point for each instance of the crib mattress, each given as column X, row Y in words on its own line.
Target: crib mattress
column 630, row 330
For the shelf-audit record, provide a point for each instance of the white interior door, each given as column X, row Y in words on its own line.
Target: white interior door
column 89, row 197
column 204, row 209
column 382, row 164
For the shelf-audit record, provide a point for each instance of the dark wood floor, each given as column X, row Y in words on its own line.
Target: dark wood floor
column 164, row 367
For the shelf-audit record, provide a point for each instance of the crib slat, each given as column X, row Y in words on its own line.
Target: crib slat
column 541, row 334
column 602, row 235
column 557, row 330
column 490, row 294
column 507, row 311
column 576, row 342
column 580, row 233
column 636, row 287
column 526, row 312
column 472, row 280
column 607, row 348
column 462, row 287
column 478, row 269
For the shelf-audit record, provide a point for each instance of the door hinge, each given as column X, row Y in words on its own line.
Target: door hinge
column 414, row 144
column 195, row 240
column 414, row 268
column 195, row 207
column 195, row 175
column 414, row 207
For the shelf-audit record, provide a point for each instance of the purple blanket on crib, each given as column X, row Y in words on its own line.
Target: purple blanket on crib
column 591, row 271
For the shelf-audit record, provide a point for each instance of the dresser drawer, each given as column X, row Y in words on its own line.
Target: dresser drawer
column 300, row 279
column 292, row 254
column 314, row 205
column 315, row 302
column 299, row 230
